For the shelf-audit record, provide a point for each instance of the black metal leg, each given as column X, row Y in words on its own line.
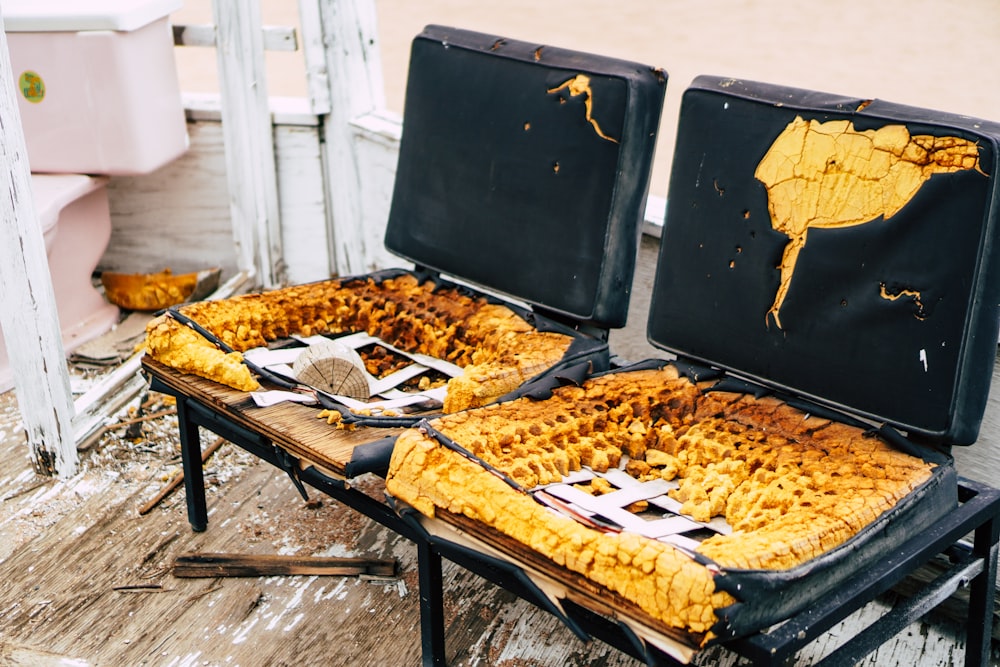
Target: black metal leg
column 194, row 477
column 979, row 628
column 431, row 605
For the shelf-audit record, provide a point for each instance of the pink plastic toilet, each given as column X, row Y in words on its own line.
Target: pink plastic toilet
column 76, row 224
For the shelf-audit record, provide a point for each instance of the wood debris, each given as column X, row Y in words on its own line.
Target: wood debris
column 252, row 565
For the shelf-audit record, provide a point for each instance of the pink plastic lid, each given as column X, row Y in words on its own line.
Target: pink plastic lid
column 77, row 15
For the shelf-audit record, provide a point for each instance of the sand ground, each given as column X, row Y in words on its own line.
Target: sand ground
column 927, row 53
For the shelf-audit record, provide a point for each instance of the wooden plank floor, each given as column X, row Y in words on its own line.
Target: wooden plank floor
column 83, row 577
column 85, row 580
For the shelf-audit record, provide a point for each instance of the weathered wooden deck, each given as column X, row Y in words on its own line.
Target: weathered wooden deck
column 86, row 580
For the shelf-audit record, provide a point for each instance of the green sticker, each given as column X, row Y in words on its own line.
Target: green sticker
column 32, row 86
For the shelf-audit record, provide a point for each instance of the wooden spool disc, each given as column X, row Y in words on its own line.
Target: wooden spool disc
column 333, row 368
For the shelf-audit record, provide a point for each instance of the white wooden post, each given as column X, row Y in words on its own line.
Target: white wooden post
column 345, row 54
column 313, row 44
column 27, row 301
column 249, row 139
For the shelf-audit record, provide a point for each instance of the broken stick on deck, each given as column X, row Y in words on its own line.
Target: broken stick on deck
column 247, row 565
column 178, row 479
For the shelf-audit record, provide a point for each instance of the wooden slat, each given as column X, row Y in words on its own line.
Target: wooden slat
column 184, row 207
column 375, row 137
column 249, row 140
column 276, row 38
column 177, row 217
column 256, row 565
column 314, row 47
column 353, row 72
column 93, row 408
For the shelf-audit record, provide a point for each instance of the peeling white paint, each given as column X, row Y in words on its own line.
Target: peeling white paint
column 335, row 551
column 295, row 621
column 339, row 592
column 293, row 603
column 288, row 548
column 185, row 661
column 242, row 634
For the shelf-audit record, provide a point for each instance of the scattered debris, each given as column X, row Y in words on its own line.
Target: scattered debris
column 115, row 346
column 178, row 479
column 143, row 418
